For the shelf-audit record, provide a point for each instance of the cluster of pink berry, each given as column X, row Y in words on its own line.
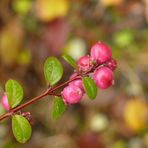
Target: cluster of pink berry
column 99, row 65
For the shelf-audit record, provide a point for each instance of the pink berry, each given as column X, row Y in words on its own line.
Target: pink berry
column 77, row 83
column 103, row 77
column 112, row 64
column 84, row 63
column 101, row 52
column 72, row 94
column 5, row 102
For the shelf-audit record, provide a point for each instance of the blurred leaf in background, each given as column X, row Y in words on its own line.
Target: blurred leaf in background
column 55, row 35
column 22, row 7
column 24, row 57
column 99, row 122
column 111, row 2
column 123, row 38
column 136, row 114
column 10, row 42
column 47, row 10
column 75, row 48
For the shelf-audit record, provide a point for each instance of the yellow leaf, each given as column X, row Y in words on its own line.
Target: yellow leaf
column 24, row 57
column 47, row 10
column 136, row 114
column 10, row 42
column 111, row 2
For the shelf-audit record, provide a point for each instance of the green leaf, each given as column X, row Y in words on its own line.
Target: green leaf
column 70, row 60
column 53, row 70
column 58, row 108
column 14, row 92
column 21, row 128
column 90, row 87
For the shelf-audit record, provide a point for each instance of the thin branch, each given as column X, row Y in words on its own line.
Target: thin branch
column 49, row 91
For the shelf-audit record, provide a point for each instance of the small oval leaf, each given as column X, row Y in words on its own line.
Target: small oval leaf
column 21, row 128
column 53, row 70
column 90, row 87
column 70, row 60
column 14, row 92
column 58, row 108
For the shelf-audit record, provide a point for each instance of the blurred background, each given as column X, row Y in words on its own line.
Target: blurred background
column 32, row 30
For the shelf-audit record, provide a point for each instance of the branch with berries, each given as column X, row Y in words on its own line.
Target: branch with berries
column 90, row 71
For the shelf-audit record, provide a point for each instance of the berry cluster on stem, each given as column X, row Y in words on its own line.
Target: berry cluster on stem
column 99, row 65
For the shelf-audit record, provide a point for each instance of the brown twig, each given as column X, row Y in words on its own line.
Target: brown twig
column 49, row 91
